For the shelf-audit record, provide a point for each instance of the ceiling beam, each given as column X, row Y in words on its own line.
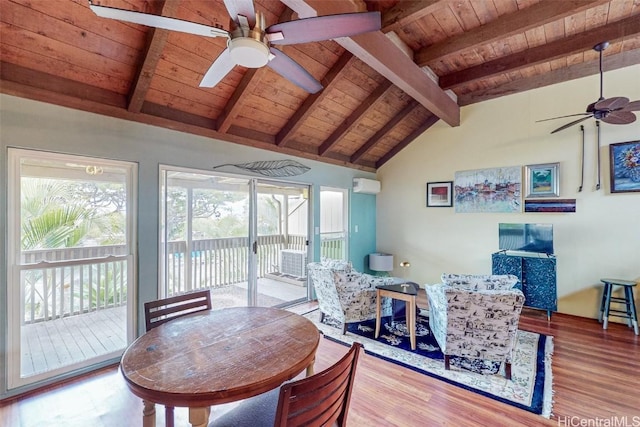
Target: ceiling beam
column 577, row 43
column 309, row 105
column 413, row 135
column 382, row 132
column 156, row 39
column 583, row 69
column 506, row 26
column 380, row 53
column 33, row 84
column 356, row 116
column 248, row 84
column 405, row 12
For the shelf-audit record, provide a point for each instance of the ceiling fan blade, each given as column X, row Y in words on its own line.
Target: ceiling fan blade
column 611, row 104
column 220, row 68
column 241, row 7
column 563, row 117
column 292, row 71
column 571, row 124
column 632, row 106
column 619, row 118
column 158, row 21
column 323, row 28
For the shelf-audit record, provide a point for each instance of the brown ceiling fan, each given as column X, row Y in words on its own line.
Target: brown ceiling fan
column 249, row 42
column 616, row 111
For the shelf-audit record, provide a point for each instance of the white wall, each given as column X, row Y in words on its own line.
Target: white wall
column 602, row 239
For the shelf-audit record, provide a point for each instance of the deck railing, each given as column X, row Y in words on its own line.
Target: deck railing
column 64, row 282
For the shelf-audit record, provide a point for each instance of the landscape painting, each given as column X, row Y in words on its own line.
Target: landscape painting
column 488, row 190
column 546, row 205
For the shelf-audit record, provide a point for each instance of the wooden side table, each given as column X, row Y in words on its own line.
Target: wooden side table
column 403, row 292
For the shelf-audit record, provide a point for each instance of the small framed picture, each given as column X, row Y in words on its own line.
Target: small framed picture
column 439, row 194
column 625, row 166
column 542, row 180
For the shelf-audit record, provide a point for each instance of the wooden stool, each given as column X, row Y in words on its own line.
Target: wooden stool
column 628, row 301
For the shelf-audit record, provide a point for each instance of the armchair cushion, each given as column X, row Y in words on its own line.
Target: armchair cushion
column 477, row 282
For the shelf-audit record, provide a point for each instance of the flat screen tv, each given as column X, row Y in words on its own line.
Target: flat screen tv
column 526, row 237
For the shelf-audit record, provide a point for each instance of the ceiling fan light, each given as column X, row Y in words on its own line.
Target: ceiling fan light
column 248, row 52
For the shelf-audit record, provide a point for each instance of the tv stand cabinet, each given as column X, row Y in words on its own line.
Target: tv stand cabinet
column 537, row 275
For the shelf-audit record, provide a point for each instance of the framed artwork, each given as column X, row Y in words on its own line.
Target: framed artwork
column 625, row 166
column 542, row 180
column 550, row 205
column 440, row 194
column 488, row 190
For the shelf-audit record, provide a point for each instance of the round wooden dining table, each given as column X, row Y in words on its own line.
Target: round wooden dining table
column 217, row 356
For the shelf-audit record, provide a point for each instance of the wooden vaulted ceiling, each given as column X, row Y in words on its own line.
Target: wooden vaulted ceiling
column 381, row 89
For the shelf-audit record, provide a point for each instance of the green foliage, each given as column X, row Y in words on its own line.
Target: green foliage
column 64, row 213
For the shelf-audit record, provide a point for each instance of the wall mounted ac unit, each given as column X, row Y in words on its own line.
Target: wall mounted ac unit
column 366, row 186
column 293, row 262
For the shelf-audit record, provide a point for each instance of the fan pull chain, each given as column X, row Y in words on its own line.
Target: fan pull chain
column 598, row 150
column 582, row 161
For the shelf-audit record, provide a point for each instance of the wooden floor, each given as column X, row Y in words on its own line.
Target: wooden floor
column 596, row 377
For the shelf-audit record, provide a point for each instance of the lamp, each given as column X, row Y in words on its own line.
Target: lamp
column 381, row 262
column 405, row 266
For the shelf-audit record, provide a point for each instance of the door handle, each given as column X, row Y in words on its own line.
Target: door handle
column 255, row 248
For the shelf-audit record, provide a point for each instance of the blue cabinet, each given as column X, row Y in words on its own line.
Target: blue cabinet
column 537, row 275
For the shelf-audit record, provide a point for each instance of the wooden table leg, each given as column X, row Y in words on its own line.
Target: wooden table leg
column 378, row 312
column 199, row 417
column 148, row 414
column 411, row 321
column 310, row 368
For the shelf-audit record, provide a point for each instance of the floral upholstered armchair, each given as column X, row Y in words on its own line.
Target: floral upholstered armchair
column 346, row 295
column 476, row 316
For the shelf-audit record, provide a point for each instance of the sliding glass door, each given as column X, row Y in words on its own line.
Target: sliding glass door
column 71, row 263
column 228, row 233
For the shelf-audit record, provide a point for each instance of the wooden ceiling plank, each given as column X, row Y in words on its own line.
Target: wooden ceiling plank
column 381, row 54
column 352, row 121
column 382, row 132
column 309, row 105
column 156, row 40
column 504, row 27
column 584, row 69
column 413, row 135
column 549, row 52
column 249, row 82
column 405, row 12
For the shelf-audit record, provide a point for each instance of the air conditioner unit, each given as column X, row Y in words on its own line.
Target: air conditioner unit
column 293, row 263
column 366, row 186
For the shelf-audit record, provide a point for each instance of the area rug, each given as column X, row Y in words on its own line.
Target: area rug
column 529, row 389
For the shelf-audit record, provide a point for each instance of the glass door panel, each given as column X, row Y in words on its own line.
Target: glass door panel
column 333, row 221
column 71, row 257
column 230, row 234
column 282, row 243
column 205, row 235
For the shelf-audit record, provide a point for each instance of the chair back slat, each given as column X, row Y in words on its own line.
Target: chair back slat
column 321, row 399
column 163, row 310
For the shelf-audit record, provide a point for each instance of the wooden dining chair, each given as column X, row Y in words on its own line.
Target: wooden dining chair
column 163, row 310
column 319, row 400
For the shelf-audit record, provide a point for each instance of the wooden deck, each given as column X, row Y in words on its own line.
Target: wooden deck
column 54, row 344
column 62, row 342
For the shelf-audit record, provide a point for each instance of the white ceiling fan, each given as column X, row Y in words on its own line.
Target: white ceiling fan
column 249, row 43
